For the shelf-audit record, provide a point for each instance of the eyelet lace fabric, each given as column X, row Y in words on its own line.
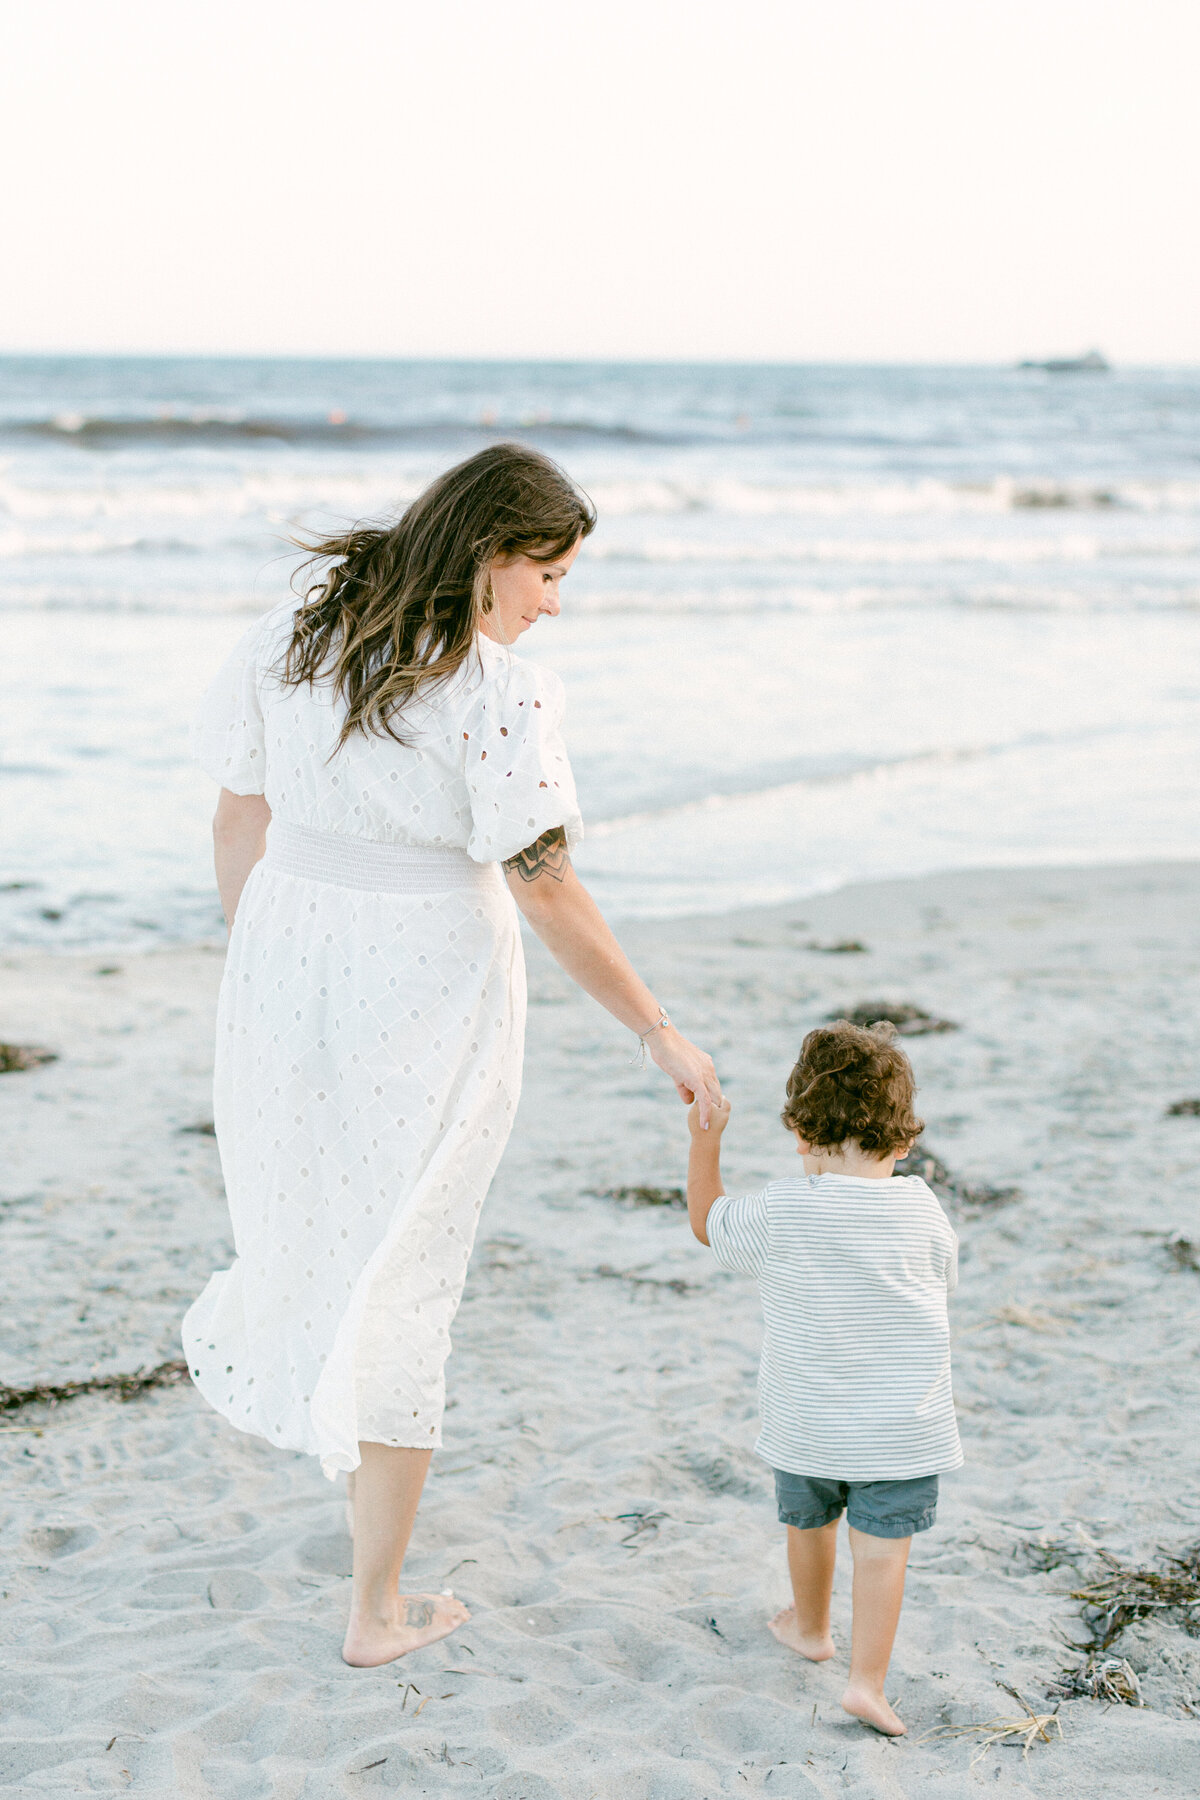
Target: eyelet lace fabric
column 369, row 1038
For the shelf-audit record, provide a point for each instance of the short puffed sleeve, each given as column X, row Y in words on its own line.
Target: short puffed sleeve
column 227, row 732
column 515, row 763
column 952, row 1264
column 739, row 1231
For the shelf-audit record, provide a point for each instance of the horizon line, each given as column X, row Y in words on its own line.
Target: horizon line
column 995, row 364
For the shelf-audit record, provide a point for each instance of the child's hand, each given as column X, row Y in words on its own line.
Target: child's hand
column 718, row 1118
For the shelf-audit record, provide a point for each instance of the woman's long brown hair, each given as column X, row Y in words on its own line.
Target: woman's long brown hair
column 390, row 609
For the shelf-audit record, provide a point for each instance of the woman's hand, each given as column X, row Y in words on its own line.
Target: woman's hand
column 718, row 1119
column 690, row 1069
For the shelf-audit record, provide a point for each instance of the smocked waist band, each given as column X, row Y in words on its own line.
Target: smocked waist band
column 366, row 863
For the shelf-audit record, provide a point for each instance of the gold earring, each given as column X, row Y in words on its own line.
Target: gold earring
column 489, row 599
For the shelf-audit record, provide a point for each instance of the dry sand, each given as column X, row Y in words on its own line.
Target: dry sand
column 174, row 1592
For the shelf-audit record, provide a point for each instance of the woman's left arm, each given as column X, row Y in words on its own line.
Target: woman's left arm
column 570, row 924
column 239, row 840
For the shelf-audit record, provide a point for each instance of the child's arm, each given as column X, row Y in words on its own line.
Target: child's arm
column 704, row 1184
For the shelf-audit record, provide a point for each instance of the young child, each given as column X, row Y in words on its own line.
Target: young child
column 853, row 1264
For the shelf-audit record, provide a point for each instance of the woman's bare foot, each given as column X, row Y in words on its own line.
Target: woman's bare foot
column 817, row 1648
column 418, row 1619
column 863, row 1703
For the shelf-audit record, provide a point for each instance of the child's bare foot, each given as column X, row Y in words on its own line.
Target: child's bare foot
column 865, row 1704
column 817, row 1647
column 418, row 1619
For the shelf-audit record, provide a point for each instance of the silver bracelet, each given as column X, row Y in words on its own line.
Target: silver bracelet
column 638, row 1059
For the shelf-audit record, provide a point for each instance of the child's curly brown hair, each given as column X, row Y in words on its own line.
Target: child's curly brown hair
column 853, row 1082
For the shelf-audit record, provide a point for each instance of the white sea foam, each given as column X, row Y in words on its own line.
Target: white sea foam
column 1059, row 547
column 272, row 494
column 287, row 493
column 105, row 591
column 889, row 499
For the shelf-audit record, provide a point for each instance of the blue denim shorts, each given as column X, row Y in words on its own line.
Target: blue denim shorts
column 885, row 1509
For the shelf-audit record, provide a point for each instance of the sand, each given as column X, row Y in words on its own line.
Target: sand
column 174, row 1592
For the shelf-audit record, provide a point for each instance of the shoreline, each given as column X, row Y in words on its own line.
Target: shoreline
column 598, row 1504
column 15, row 951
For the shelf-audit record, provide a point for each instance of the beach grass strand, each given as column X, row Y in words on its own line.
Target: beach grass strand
column 1026, row 1730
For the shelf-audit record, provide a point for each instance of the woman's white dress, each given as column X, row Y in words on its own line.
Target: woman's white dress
column 369, row 1037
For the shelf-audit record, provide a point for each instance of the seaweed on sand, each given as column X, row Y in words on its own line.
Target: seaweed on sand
column 14, row 1057
column 673, row 1285
column 1026, row 1731
column 1100, row 1677
column 1120, row 1595
column 1183, row 1252
column 1113, row 1599
column 640, row 1524
column 909, row 1020
column 922, row 1162
column 1028, row 1318
column 1045, row 1554
column 167, row 1374
column 971, row 1194
column 643, row 1195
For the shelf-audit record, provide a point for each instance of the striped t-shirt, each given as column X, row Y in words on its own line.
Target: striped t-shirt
column 854, row 1383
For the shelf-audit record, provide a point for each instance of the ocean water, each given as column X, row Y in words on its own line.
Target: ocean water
column 835, row 623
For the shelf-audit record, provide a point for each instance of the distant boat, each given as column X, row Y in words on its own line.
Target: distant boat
column 1090, row 363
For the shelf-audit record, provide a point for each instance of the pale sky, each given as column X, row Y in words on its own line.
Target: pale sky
column 875, row 180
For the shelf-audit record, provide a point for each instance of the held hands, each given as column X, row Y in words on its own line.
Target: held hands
column 690, row 1069
column 718, row 1119
column 704, row 1184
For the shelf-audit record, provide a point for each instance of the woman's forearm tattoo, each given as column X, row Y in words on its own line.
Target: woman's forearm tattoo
column 548, row 856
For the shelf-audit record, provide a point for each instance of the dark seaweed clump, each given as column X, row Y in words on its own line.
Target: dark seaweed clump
column 642, row 1195
column 909, row 1020
column 1184, row 1254
column 637, row 1283
column 1115, row 1597
column 14, row 1057
column 974, row 1195
column 43, row 1393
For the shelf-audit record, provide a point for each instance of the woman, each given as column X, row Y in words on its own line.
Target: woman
column 387, row 766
